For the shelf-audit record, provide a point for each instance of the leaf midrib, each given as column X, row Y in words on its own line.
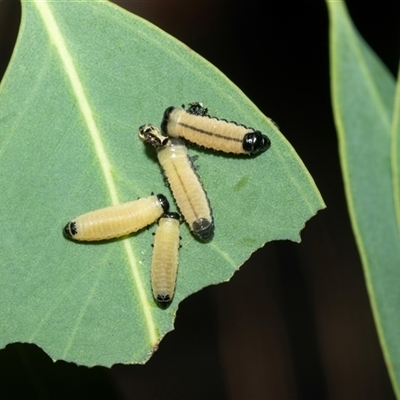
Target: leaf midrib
column 56, row 38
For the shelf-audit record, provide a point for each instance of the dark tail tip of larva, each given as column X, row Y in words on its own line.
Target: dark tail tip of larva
column 265, row 143
column 255, row 142
column 164, row 202
column 203, row 229
column 69, row 230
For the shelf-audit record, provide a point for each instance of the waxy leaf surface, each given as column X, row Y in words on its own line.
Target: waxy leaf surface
column 84, row 76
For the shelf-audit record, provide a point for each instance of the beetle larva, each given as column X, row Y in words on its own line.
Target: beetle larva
column 183, row 180
column 196, row 126
column 115, row 221
column 164, row 264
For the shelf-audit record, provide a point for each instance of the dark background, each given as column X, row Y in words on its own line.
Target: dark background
column 295, row 321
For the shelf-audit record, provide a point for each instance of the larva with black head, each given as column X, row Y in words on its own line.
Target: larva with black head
column 164, row 264
column 183, row 181
column 196, row 126
column 115, row 221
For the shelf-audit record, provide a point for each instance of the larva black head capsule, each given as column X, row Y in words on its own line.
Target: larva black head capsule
column 150, row 134
column 164, row 202
column 255, row 142
column 203, row 229
column 173, row 215
column 70, row 230
column 163, row 301
column 165, row 120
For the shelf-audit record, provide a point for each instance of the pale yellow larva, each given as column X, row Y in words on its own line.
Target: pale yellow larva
column 164, row 264
column 183, row 181
column 196, row 126
column 115, row 221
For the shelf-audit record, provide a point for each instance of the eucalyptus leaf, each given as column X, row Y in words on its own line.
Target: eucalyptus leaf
column 363, row 93
column 83, row 77
column 395, row 148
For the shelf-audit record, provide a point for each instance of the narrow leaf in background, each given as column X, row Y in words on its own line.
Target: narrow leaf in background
column 83, row 77
column 395, row 156
column 363, row 96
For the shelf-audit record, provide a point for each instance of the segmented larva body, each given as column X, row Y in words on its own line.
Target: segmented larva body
column 164, row 264
column 183, row 180
column 115, row 221
column 196, row 126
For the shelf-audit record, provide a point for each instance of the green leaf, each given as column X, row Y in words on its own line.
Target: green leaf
column 84, row 76
column 363, row 94
column 395, row 156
